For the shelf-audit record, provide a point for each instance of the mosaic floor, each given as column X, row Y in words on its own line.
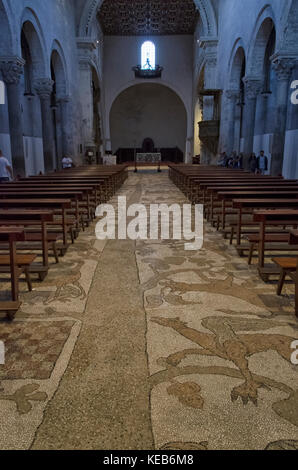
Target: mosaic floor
column 143, row 345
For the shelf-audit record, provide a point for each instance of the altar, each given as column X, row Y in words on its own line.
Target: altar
column 148, row 157
column 109, row 160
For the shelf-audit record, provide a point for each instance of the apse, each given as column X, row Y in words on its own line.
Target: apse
column 148, row 111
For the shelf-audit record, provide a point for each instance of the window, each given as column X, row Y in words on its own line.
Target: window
column 148, row 56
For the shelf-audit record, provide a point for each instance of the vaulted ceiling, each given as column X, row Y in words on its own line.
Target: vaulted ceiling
column 148, row 17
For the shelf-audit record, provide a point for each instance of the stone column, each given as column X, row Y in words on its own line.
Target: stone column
column 12, row 69
column 188, row 150
column 253, row 87
column 283, row 69
column 229, row 137
column 87, row 59
column 44, row 88
column 237, row 126
column 67, row 143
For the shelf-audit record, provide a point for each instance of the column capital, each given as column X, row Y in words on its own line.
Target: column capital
column 211, row 60
column 63, row 99
column 43, row 87
column 12, row 69
column 88, row 44
column 253, row 87
column 232, row 94
column 283, row 66
column 86, row 49
column 84, row 63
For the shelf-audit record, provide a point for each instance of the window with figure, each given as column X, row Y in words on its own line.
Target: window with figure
column 148, row 56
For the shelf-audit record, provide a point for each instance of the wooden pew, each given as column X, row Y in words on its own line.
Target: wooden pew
column 16, row 266
column 74, row 196
column 38, row 220
column 227, row 197
column 286, row 217
column 61, row 204
column 253, row 203
column 289, row 266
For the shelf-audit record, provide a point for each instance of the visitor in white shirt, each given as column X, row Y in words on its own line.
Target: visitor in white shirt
column 5, row 169
column 67, row 162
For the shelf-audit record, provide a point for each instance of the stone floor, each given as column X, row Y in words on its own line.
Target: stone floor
column 143, row 345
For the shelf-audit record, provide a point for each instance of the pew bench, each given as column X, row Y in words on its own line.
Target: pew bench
column 273, row 242
column 22, row 261
column 289, row 267
column 15, row 265
column 288, row 217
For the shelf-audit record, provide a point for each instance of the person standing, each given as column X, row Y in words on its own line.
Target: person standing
column 221, row 159
column 5, row 169
column 253, row 163
column 67, row 162
column 262, row 163
column 237, row 161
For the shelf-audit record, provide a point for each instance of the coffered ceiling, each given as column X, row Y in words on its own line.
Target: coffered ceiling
column 148, row 17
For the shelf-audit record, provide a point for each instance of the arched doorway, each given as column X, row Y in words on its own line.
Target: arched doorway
column 237, row 102
column 59, row 108
column 31, row 112
column 148, row 111
column 199, row 148
column 260, row 89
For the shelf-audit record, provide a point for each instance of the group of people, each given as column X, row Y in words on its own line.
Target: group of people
column 232, row 161
column 255, row 164
column 6, row 172
column 258, row 164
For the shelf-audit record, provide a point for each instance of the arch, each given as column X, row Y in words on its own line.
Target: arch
column 288, row 39
column 140, row 82
column 139, row 103
column 260, row 37
column 237, row 59
column 6, row 37
column 33, row 32
column 58, row 63
column 205, row 8
column 208, row 17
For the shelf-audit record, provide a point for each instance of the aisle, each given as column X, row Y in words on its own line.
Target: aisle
column 144, row 345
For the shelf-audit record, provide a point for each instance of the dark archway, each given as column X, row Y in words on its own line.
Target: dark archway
column 148, row 145
column 153, row 110
column 34, row 68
